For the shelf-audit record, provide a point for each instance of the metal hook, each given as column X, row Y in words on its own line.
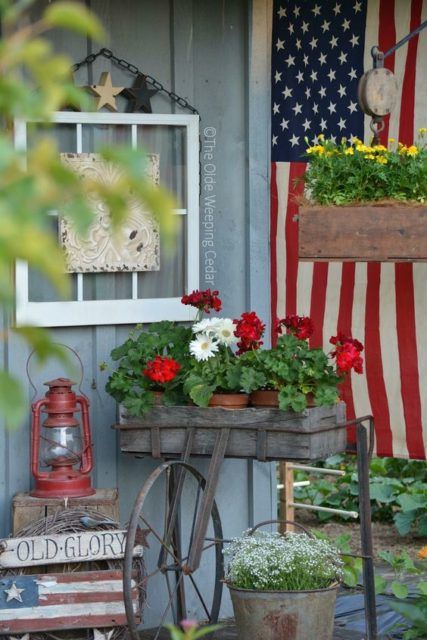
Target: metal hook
column 61, row 344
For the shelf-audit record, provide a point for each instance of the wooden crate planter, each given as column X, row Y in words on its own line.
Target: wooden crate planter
column 263, row 434
column 363, row 233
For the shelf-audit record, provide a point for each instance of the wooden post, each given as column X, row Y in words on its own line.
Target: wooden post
column 287, row 511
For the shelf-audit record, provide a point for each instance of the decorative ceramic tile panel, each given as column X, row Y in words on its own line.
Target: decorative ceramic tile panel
column 133, row 247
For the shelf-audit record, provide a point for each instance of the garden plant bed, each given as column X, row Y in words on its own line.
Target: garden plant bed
column 264, row 434
column 363, row 233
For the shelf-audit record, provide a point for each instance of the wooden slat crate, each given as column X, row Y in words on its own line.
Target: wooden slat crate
column 263, row 434
column 363, row 233
column 26, row 509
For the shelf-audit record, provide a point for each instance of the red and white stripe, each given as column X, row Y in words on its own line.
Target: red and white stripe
column 75, row 600
column 383, row 305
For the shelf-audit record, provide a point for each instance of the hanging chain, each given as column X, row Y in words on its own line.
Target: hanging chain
column 127, row 66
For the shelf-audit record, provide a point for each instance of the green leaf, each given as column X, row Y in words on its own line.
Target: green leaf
column 351, row 576
column 399, row 590
column 404, row 521
column 382, row 492
column 13, row 405
column 380, row 584
column 201, row 394
column 74, row 16
column 206, row 630
column 422, row 587
column 410, row 502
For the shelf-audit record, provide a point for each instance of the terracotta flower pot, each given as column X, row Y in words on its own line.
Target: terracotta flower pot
column 229, row 400
column 268, row 398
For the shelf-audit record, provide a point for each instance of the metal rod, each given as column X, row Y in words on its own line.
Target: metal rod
column 313, row 507
column 300, row 483
column 326, row 472
column 413, row 33
column 366, row 531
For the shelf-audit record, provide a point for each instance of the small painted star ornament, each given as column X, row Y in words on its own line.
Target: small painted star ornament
column 139, row 95
column 105, row 93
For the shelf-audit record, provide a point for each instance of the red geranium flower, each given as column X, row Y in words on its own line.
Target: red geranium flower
column 203, row 300
column 300, row 326
column 162, row 369
column 347, row 353
column 250, row 330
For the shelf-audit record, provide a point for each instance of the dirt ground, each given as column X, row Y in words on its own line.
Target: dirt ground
column 385, row 535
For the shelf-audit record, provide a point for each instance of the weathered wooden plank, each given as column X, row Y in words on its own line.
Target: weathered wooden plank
column 76, row 600
column 70, row 547
column 242, row 443
column 363, row 233
column 251, row 418
column 26, row 509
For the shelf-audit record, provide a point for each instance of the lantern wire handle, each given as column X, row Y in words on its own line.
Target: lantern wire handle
column 61, row 344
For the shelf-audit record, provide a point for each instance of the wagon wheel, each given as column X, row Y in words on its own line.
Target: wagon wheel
column 168, row 539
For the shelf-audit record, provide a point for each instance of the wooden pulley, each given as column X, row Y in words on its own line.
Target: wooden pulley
column 377, row 92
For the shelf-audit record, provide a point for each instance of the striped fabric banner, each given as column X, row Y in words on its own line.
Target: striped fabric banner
column 383, row 305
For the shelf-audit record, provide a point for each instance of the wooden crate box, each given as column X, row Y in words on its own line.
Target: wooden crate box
column 263, row 434
column 363, row 233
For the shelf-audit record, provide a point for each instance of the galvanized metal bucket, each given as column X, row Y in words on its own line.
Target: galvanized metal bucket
column 284, row 615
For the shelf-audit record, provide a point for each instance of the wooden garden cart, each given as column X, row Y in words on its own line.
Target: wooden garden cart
column 175, row 434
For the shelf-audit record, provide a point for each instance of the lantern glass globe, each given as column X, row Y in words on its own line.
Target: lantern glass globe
column 60, row 446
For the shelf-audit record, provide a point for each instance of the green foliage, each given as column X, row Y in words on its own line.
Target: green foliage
column 128, row 385
column 340, row 174
column 34, row 82
column 293, row 369
column 398, row 491
column 413, row 608
column 219, row 374
column 352, row 566
column 192, row 630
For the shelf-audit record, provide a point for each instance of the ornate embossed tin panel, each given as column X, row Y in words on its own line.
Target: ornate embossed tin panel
column 134, row 247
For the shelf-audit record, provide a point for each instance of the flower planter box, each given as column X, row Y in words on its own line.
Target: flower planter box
column 363, row 233
column 263, row 434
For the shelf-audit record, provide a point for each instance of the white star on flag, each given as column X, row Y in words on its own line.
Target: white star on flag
column 287, row 93
column 280, row 44
column 342, row 57
column 354, row 40
column 298, row 44
column 276, row 108
column 323, row 124
column 306, row 124
column 353, row 74
column 357, row 7
column 325, row 26
column 316, row 10
column 346, row 24
column 14, row 593
column 332, row 74
column 337, row 9
column 274, row 141
column 313, row 42
column 352, row 107
column 341, row 124
column 282, row 12
column 278, row 76
column 290, row 60
column 322, row 92
column 313, row 76
column 315, row 108
column 294, row 140
column 305, row 26
column 332, row 107
column 296, row 11
column 322, row 58
column 342, row 91
column 284, row 124
column 291, row 28
column 333, row 42
column 297, row 108
column 300, row 77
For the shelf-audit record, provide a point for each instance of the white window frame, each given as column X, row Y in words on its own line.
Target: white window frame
column 127, row 311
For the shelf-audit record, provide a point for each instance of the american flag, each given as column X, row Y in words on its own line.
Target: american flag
column 75, row 600
column 319, row 51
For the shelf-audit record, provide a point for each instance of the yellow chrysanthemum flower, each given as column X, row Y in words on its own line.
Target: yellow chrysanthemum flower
column 349, row 151
column 356, row 141
column 321, row 136
column 422, row 131
column 382, row 160
column 370, row 156
column 392, row 140
column 412, row 150
column 379, row 148
column 422, row 553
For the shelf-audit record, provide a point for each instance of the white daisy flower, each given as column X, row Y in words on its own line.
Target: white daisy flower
column 223, row 331
column 203, row 347
column 206, row 326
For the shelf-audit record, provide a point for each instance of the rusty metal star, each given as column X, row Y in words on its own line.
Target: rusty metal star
column 105, row 92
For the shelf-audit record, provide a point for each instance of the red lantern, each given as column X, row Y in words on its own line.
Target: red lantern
column 61, row 443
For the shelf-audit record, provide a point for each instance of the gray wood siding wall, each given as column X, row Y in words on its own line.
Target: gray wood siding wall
column 204, row 51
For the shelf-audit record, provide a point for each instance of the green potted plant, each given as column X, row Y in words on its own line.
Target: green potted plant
column 292, row 375
column 215, row 371
column 152, row 364
column 365, row 202
column 283, row 585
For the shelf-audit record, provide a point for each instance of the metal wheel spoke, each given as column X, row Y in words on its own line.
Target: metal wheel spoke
column 168, row 606
column 193, row 524
column 159, row 539
column 197, row 590
column 174, row 613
